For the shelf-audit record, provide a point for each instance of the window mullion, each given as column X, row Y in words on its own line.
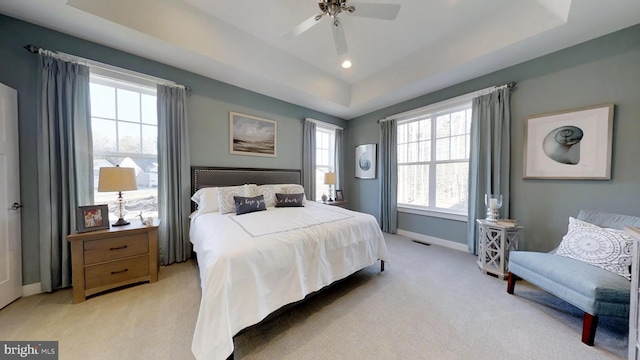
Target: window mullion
column 432, row 165
column 117, row 122
column 140, row 121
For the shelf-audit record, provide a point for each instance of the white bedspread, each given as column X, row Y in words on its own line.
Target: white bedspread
column 253, row 264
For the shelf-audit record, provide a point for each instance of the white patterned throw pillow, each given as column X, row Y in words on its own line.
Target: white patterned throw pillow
column 606, row 248
column 225, row 197
column 269, row 193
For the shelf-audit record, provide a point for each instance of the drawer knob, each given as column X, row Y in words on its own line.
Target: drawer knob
column 119, row 272
column 118, row 248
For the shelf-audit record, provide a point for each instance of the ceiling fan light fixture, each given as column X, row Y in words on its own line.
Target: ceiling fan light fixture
column 332, row 8
column 346, row 64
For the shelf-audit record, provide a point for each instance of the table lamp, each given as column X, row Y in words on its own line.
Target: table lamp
column 330, row 179
column 118, row 179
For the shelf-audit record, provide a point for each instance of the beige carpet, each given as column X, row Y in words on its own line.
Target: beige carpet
column 430, row 303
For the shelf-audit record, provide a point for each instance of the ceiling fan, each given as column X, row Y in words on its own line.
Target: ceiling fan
column 332, row 8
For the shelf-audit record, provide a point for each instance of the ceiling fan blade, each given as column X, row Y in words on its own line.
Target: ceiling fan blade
column 338, row 37
column 376, row 11
column 302, row 27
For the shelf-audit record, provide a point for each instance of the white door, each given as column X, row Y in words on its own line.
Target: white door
column 10, row 242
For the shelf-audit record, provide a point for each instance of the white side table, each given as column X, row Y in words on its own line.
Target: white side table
column 494, row 244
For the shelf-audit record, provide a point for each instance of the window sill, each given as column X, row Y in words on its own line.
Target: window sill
column 432, row 213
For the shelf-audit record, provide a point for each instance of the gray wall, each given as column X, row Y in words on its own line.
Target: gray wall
column 599, row 71
column 208, row 109
column 602, row 70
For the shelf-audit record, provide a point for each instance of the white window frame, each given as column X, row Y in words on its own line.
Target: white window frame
column 330, row 131
column 121, row 80
column 432, row 111
column 126, row 85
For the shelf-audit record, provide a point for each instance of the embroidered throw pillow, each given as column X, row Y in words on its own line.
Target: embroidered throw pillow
column 609, row 249
column 292, row 189
column 289, row 200
column 245, row 205
column 225, row 197
column 269, row 193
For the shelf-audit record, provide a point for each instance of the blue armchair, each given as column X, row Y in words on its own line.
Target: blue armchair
column 593, row 290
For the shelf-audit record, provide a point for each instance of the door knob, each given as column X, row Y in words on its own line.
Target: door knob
column 15, row 206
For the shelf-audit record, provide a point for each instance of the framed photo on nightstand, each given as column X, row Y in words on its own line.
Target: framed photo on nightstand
column 339, row 196
column 92, row 218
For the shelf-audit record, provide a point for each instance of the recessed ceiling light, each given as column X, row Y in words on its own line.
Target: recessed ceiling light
column 346, row 64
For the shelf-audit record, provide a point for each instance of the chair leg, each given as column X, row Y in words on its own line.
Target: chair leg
column 589, row 325
column 511, row 282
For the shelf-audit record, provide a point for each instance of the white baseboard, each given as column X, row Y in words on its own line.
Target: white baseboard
column 434, row 240
column 31, row 289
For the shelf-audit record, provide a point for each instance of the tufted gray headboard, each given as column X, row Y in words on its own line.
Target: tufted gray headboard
column 202, row 176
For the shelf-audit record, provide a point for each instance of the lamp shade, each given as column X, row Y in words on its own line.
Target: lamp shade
column 117, row 179
column 330, row 178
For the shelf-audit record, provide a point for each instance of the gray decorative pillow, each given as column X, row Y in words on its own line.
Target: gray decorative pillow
column 609, row 249
column 289, row 200
column 245, row 205
column 292, row 189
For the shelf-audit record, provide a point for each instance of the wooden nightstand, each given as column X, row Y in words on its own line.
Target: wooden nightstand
column 340, row 203
column 107, row 259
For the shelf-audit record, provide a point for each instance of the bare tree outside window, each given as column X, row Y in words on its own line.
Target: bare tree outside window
column 433, row 160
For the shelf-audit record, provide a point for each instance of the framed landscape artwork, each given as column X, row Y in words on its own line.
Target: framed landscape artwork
column 251, row 135
column 366, row 161
column 573, row 144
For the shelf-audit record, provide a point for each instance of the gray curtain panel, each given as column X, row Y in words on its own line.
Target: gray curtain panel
column 174, row 183
column 65, row 162
column 389, row 176
column 489, row 159
column 338, row 153
column 309, row 159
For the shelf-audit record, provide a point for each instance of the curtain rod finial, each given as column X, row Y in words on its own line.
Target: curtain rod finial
column 32, row 49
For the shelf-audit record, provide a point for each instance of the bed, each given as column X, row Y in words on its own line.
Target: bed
column 253, row 264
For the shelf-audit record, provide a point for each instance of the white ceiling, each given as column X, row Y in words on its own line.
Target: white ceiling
column 432, row 44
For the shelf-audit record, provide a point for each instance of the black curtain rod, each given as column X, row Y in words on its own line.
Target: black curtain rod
column 35, row 50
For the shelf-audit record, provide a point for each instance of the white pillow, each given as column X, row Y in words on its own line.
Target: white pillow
column 606, row 248
column 226, row 204
column 206, row 199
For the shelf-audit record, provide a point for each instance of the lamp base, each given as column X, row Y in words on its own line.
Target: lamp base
column 121, row 222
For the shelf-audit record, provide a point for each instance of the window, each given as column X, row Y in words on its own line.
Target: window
column 433, row 159
column 125, row 132
column 325, row 158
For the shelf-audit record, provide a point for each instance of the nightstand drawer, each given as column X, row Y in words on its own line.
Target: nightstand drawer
column 106, row 259
column 115, row 272
column 97, row 251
